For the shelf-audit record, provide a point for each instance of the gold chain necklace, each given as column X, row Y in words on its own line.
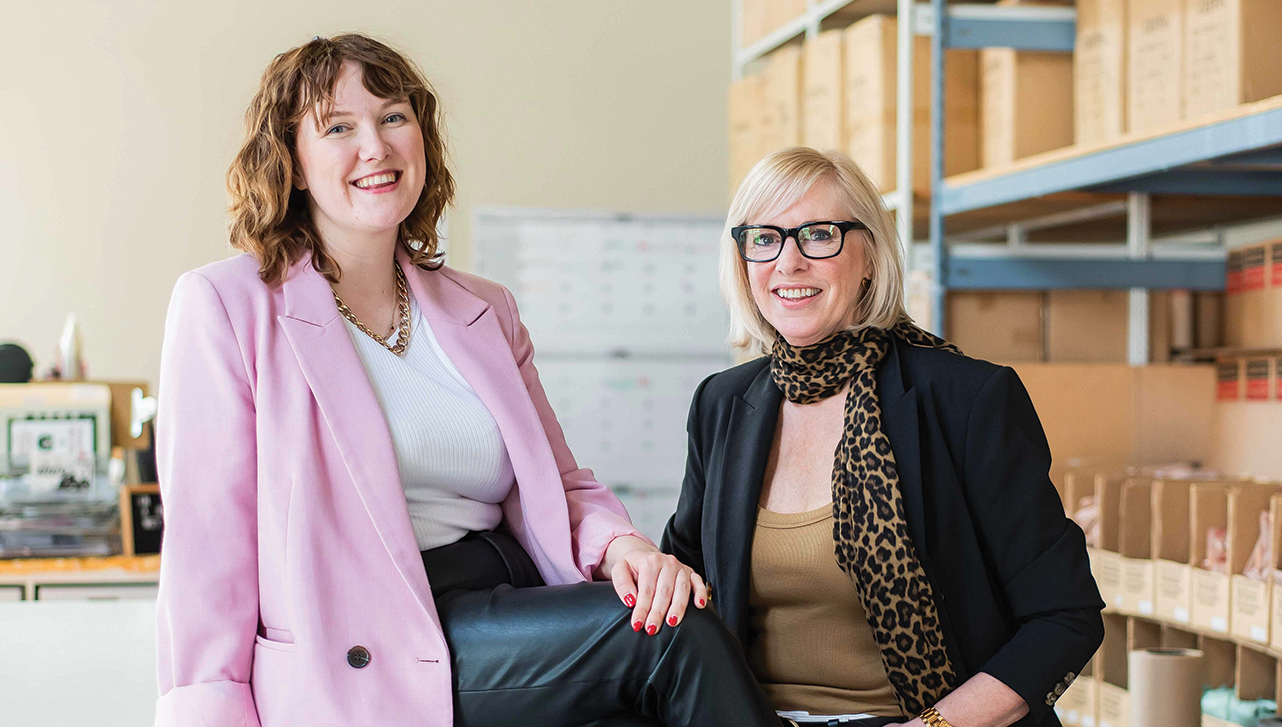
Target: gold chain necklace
column 402, row 301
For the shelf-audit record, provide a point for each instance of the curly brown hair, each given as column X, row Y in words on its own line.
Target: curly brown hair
column 270, row 219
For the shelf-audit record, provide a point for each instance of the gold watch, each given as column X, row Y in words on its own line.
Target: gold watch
column 933, row 718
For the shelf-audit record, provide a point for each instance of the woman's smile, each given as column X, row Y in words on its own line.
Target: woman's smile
column 378, row 182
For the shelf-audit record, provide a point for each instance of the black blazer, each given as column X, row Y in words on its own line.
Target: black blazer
column 1009, row 571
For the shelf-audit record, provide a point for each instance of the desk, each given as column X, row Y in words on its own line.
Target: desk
column 107, row 578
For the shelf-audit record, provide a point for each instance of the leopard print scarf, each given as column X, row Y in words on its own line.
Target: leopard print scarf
column 869, row 528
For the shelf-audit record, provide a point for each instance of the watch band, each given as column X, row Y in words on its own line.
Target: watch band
column 933, row 718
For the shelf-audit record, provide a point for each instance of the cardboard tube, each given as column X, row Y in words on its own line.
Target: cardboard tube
column 1165, row 687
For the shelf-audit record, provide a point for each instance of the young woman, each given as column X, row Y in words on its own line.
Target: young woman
column 365, row 488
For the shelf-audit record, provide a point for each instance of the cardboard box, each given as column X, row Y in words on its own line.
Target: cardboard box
column 1233, row 298
column 1257, row 376
column 1209, row 509
column 1254, row 304
column 752, row 17
column 1173, row 587
column 1231, row 53
column 779, row 13
column 1209, row 325
column 1245, row 436
column 1275, row 607
column 742, row 116
column 1120, row 413
column 1099, row 71
column 1228, row 380
column 1087, row 325
column 825, row 105
column 1026, row 104
column 1256, row 674
column 1135, row 545
column 1154, row 63
column 1249, row 598
column 1107, row 564
column 1001, row 326
column 785, row 93
column 871, row 68
column 1110, row 669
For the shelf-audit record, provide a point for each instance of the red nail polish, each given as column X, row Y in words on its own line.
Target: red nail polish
column 652, row 629
column 702, row 603
column 672, row 620
column 636, row 625
column 629, row 601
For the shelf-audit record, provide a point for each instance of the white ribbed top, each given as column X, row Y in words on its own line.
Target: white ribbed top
column 454, row 466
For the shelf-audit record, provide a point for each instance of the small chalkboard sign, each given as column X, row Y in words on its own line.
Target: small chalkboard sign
column 142, row 519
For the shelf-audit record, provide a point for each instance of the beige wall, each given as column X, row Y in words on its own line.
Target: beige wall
column 118, row 119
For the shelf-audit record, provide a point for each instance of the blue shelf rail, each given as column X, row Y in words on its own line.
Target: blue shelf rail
column 1239, row 155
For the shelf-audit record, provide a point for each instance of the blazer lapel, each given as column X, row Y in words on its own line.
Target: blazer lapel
column 734, row 495
column 342, row 390
column 468, row 331
column 899, row 418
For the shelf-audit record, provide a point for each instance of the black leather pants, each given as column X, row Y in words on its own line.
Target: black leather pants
column 566, row 656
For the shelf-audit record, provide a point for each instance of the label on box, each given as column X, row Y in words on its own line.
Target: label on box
column 1250, row 603
column 1114, row 706
column 1277, row 264
column 1233, row 273
column 1211, row 600
column 1173, row 590
column 1226, row 381
column 1257, row 379
column 1107, row 568
column 1137, row 585
column 1252, row 269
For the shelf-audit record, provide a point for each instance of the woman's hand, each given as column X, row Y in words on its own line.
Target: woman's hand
column 656, row 586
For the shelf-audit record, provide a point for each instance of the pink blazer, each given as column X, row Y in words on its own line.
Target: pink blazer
column 288, row 540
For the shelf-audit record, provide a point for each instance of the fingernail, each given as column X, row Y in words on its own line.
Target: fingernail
column 636, row 625
column 702, row 603
column 652, row 629
column 629, row 601
column 672, row 620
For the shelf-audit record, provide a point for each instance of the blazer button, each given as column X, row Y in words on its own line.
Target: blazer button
column 357, row 657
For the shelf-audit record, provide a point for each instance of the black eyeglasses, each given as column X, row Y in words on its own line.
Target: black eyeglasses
column 815, row 240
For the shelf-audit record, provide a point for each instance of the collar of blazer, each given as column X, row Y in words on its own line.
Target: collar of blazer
column 734, row 495
column 309, row 298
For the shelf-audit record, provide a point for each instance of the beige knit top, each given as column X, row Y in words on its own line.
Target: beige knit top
column 809, row 643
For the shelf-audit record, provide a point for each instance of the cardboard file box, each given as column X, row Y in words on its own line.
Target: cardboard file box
column 1099, row 71
column 1135, row 547
column 1173, row 577
column 1231, row 53
column 1155, row 63
column 1249, row 598
column 1210, row 589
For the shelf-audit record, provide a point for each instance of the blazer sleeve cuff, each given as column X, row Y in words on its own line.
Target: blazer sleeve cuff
column 210, row 704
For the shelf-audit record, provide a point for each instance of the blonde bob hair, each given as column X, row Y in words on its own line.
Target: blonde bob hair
column 269, row 217
column 775, row 184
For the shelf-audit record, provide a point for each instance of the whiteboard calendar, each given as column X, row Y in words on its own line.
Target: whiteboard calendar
column 591, row 282
column 626, row 319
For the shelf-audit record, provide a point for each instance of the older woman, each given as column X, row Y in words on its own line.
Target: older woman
column 359, row 464
column 872, row 506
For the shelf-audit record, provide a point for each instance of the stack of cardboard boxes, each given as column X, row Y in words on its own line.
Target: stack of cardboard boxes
column 761, row 17
column 1146, row 64
column 1139, row 65
column 1178, row 561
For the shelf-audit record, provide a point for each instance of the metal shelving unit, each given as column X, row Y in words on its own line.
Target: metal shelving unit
column 1236, row 153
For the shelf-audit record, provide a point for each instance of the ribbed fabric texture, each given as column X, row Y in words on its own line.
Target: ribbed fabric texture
column 809, row 643
column 453, row 464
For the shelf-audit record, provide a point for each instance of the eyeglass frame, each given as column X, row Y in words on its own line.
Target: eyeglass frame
column 791, row 232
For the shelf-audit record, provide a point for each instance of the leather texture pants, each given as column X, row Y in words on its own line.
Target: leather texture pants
column 566, row 656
